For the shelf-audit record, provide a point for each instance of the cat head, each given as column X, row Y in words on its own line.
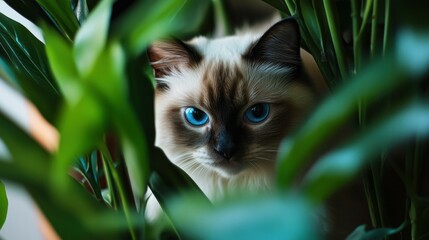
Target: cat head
column 224, row 105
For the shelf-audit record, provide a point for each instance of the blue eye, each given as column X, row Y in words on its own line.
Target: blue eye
column 257, row 113
column 195, row 116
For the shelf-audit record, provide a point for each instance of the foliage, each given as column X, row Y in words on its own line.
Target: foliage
column 89, row 79
column 3, row 204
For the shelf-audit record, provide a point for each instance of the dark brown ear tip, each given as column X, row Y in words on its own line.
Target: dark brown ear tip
column 290, row 23
column 280, row 44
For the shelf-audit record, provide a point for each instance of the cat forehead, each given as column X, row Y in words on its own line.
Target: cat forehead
column 229, row 48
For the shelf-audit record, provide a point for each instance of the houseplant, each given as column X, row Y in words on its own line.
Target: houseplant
column 91, row 76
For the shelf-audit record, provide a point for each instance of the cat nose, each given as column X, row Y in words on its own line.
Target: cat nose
column 225, row 145
column 225, row 153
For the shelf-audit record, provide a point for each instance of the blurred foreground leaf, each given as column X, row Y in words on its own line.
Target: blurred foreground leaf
column 268, row 217
column 61, row 61
column 92, row 37
column 3, row 204
column 61, row 13
column 73, row 213
column 159, row 19
column 81, row 127
column 26, row 53
column 376, row 234
column 340, row 166
column 332, row 114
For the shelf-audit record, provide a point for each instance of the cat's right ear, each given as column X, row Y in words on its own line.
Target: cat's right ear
column 279, row 45
column 166, row 56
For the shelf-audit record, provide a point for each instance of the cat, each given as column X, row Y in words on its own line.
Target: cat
column 223, row 105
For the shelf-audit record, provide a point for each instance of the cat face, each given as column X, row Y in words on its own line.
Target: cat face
column 224, row 105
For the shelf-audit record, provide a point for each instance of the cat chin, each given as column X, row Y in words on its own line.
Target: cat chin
column 227, row 169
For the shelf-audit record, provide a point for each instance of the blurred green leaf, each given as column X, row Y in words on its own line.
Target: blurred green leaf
column 60, row 56
column 61, row 13
column 32, row 168
column 81, row 128
column 168, row 181
column 269, row 217
column 334, row 112
column 107, row 82
column 107, row 77
column 16, row 140
column 92, row 36
column 413, row 51
column 160, row 18
column 26, row 53
column 338, row 167
column 3, row 204
column 134, row 148
column 376, row 234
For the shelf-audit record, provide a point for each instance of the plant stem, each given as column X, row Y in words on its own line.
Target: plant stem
column 413, row 156
column 336, row 38
column 369, row 198
column 386, row 26
column 365, row 16
column 373, row 28
column 376, row 177
column 291, row 6
column 120, row 188
column 356, row 36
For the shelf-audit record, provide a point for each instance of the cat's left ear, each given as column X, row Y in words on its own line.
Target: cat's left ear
column 165, row 56
column 279, row 45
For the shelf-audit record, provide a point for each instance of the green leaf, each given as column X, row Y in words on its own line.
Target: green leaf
column 16, row 140
column 81, row 128
column 92, row 36
column 168, row 181
column 7, row 74
column 376, row 234
column 413, row 51
column 60, row 55
column 80, row 9
column 26, row 54
column 62, row 15
column 333, row 113
column 338, row 167
column 72, row 212
column 269, row 217
column 30, row 10
column 120, row 187
column 3, row 204
column 160, row 18
column 108, row 81
column 135, row 149
column 107, row 77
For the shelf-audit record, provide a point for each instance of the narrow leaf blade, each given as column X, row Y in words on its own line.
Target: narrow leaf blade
column 3, row 204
